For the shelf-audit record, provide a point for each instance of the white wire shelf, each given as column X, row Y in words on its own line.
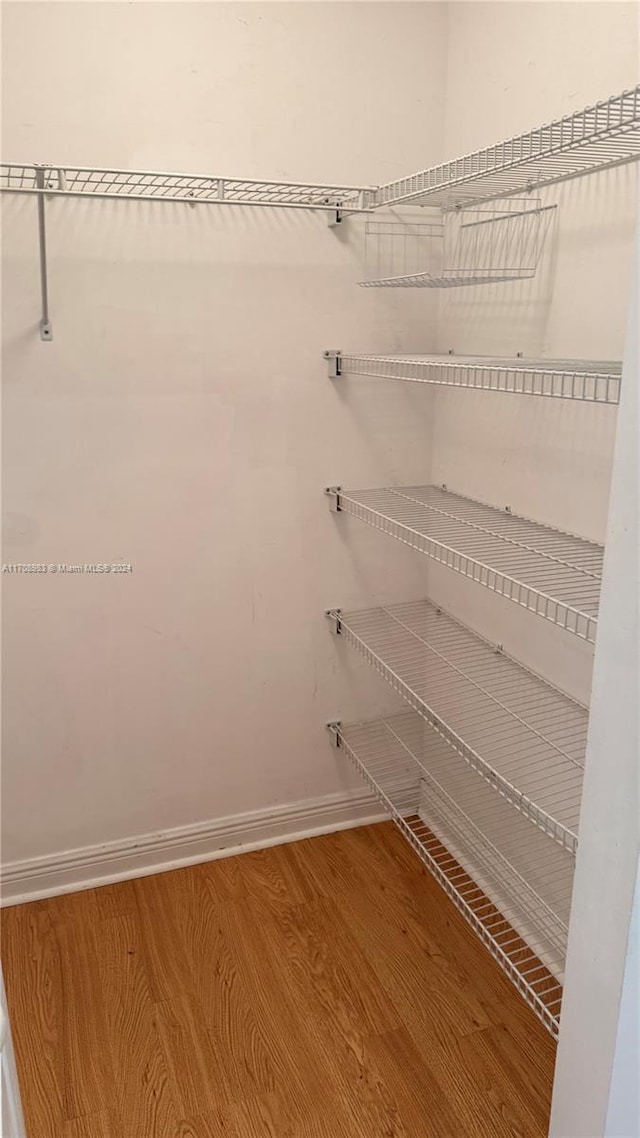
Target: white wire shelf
column 591, row 381
column 600, row 136
column 551, row 573
column 511, row 884
column 144, row 185
column 450, row 278
column 522, row 736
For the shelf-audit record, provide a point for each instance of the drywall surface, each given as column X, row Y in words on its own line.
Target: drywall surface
column 511, row 67
column 182, row 421
column 599, row 1005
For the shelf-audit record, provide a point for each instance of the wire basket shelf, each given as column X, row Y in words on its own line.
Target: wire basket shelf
column 590, row 381
column 553, row 574
column 514, row 887
column 522, row 736
column 475, row 246
column 600, row 136
column 138, row 185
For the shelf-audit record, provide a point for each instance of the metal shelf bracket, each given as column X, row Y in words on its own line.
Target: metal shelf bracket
column 46, row 329
column 334, row 616
column 333, row 356
column 334, row 731
column 333, row 492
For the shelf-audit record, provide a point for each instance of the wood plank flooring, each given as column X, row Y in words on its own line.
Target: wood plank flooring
column 323, row 989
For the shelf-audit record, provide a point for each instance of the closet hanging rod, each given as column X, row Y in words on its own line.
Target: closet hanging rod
column 192, row 189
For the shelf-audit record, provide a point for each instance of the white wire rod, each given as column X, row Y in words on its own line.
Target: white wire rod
column 525, row 738
column 600, row 136
column 495, row 932
column 495, row 218
column 585, row 380
column 553, row 574
column 145, row 185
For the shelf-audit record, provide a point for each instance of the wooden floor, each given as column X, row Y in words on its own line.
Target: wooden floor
column 316, row 990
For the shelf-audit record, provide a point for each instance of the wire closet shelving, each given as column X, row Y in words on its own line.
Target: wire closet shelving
column 511, row 884
column 483, row 245
column 600, row 136
column 520, row 734
column 550, row 573
column 590, row 381
column 483, row 775
column 606, row 134
column 145, row 185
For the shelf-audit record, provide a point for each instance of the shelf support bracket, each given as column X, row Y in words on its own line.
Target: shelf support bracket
column 333, row 356
column 333, row 492
column 334, row 616
column 334, row 730
column 46, row 330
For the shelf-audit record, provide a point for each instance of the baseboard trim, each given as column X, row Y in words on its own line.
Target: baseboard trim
column 35, row 878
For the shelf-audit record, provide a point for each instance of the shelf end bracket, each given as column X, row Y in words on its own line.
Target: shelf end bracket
column 334, row 616
column 333, row 356
column 333, row 493
column 335, row 215
column 334, row 731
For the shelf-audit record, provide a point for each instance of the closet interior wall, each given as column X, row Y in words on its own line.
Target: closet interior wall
column 509, row 65
column 181, row 418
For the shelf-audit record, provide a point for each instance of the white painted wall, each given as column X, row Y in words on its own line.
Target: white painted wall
column 510, row 67
column 182, row 419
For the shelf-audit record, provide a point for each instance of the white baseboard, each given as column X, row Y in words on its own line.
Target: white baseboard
column 34, row 878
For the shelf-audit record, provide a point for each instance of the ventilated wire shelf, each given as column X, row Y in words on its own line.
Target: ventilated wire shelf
column 551, row 573
column 591, row 381
column 511, row 884
column 522, row 736
column 603, row 135
column 84, row 181
column 471, row 247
